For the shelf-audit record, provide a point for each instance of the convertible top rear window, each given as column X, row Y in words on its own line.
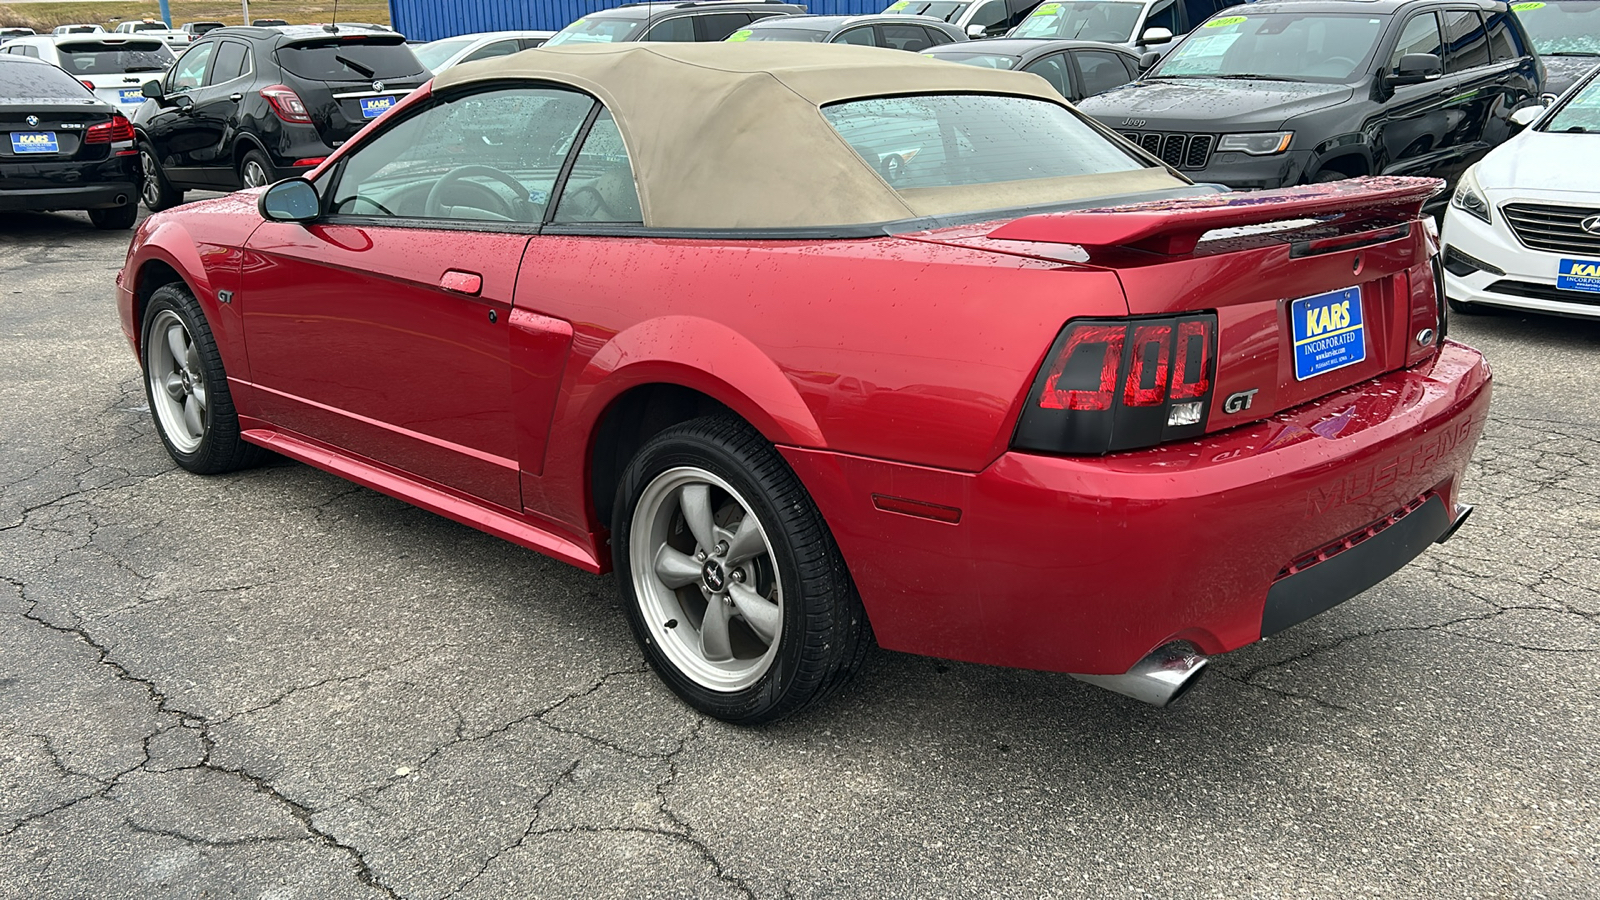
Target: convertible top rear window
column 951, row 140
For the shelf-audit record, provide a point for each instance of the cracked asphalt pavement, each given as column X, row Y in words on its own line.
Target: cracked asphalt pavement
column 274, row 684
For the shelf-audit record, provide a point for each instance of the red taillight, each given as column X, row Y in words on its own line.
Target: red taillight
column 287, row 104
column 314, row 161
column 86, row 83
column 1119, row 385
column 115, row 131
column 1084, row 373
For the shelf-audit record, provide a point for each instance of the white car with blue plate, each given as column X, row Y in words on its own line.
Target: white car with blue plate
column 1523, row 227
column 113, row 66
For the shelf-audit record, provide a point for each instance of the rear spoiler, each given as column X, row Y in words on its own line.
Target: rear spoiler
column 1174, row 227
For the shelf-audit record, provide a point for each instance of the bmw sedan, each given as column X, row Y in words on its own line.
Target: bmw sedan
column 966, row 374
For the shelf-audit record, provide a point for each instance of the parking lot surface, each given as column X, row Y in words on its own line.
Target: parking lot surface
column 277, row 684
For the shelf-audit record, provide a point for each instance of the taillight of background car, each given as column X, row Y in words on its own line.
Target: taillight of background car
column 1121, row 384
column 287, row 104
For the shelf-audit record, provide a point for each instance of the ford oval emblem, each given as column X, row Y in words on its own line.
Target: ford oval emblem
column 377, row 86
column 1591, row 224
column 33, row 121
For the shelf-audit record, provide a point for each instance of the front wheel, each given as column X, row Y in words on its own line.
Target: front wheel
column 188, row 389
column 730, row 578
column 116, row 218
column 1466, row 309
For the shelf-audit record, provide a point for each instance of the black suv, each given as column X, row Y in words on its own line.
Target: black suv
column 706, row 20
column 1279, row 93
column 245, row 106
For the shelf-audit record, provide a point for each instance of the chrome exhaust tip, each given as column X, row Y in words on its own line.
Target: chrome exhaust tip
column 122, row 199
column 1160, row 678
column 1464, row 511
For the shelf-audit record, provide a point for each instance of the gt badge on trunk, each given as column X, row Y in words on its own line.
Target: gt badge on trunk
column 1328, row 332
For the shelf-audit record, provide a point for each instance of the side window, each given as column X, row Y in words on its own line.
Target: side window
column 1502, row 37
column 992, row 16
column 189, row 72
column 490, row 157
column 1466, row 43
column 717, row 26
column 1197, row 11
column 601, row 187
column 498, row 48
column 231, row 62
column 1421, row 35
column 1162, row 15
column 861, row 36
column 680, row 30
column 906, row 37
column 1100, row 71
column 1053, row 68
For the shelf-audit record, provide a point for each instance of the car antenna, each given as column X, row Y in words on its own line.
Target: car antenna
column 333, row 27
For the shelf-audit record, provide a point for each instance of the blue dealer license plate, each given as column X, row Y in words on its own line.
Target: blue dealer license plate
column 34, row 142
column 1579, row 275
column 1328, row 332
column 373, row 107
column 131, row 95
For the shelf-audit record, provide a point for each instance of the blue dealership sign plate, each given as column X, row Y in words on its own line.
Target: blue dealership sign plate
column 373, row 107
column 1579, row 275
column 1328, row 332
column 131, row 95
column 34, row 142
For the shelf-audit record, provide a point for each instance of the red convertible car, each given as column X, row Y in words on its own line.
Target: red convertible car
column 801, row 338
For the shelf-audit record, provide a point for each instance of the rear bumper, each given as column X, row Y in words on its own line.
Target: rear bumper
column 86, row 196
column 69, row 184
column 1085, row 565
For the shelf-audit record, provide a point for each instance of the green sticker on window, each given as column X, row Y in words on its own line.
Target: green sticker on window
column 1524, row 7
column 1049, row 9
column 899, row 6
column 1226, row 20
column 740, row 36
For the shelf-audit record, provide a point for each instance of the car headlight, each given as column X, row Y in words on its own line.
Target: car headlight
column 1264, row 144
column 1469, row 196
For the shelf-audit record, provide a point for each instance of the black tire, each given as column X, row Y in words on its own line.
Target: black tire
column 1329, row 176
column 251, row 161
column 116, row 218
column 156, row 191
column 220, row 447
column 825, row 635
column 1466, row 309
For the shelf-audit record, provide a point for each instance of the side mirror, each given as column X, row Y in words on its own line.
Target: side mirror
column 974, row 31
column 1415, row 68
column 152, row 91
column 1526, row 116
column 1157, row 35
column 1148, row 60
column 291, row 200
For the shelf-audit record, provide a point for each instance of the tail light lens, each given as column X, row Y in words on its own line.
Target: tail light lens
column 287, row 104
column 116, row 131
column 86, row 83
column 1121, row 385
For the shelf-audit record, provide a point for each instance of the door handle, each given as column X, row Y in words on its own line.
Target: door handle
column 236, row 97
column 459, row 282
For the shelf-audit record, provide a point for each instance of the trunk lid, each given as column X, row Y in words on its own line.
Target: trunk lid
column 1315, row 288
column 55, row 133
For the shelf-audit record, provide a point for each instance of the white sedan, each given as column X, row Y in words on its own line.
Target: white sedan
column 1523, row 227
column 451, row 51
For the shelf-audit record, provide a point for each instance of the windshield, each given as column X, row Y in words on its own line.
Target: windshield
column 1277, row 47
column 597, row 30
column 986, row 60
column 807, row 35
column 1580, row 114
column 947, row 140
column 110, row 59
column 346, row 60
column 947, row 10
column 1087, row 20
column 1562, row 29
column 433, row 55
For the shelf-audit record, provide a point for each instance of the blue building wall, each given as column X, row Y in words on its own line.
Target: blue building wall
column 429, row 20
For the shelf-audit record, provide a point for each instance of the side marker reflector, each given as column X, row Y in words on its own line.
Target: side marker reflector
column 922, row 510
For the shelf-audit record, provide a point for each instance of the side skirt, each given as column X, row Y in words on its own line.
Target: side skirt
column 518, row 530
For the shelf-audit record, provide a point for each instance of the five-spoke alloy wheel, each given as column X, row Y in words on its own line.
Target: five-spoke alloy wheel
column 729, row 575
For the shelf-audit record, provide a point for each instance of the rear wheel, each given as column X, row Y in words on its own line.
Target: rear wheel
column 116, row 218
column 255, row 170
column 156, row 192
column 730, row 577
column 188, row 389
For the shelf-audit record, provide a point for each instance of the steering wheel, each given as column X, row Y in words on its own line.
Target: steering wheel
column 433, row 207
column 892, row 166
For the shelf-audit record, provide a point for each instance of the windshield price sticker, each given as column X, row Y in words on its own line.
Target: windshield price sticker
column 1579, row 275
column 1525, row 7
column 373, row 107
column 1328, row 332
column 131, row 95
column 34, row 142
column 1227, row 20
column 739, row 36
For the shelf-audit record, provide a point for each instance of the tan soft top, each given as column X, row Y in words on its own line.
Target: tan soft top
column 730, row 135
